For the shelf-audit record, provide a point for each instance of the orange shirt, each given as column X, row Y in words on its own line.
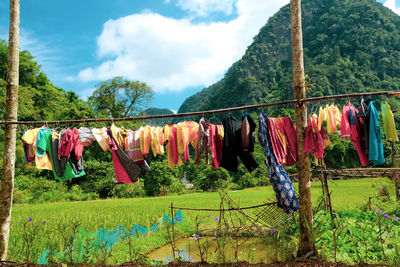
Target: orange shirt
column 187, row 133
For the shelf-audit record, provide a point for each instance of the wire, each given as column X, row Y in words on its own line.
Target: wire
column 202, row 113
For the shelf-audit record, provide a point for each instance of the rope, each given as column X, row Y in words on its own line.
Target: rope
column 199, row 113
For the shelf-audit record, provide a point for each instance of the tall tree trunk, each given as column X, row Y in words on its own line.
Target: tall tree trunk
column 7, row 181
column 305, row 213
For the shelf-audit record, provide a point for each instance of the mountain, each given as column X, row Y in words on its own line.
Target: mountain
column 157, row 111
column 349, row 46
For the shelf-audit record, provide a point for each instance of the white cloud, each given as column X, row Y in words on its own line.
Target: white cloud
column 392, row 5
column 173, row 54
column 204, row 7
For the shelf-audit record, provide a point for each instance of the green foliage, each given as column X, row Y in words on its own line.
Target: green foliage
column 212, row 179
column 119, row 97
column 158, row 179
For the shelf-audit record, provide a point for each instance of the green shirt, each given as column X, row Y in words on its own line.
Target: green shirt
column 45, row 144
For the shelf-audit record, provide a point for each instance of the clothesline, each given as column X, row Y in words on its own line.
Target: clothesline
column 216, row 111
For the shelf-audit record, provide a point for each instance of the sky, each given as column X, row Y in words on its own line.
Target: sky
column 177, row 47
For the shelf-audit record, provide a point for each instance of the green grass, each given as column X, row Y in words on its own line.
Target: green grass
column 108, row 214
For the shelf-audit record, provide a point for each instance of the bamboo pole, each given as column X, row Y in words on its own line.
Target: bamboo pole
column 307, row 246
column 8, row 172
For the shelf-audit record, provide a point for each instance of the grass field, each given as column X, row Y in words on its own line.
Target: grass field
column 108, row 214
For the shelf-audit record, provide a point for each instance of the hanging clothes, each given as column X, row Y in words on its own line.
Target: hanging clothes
column 352, row 128
column 86, row 136
column 388, row 123
column 315, row 140
column 187, row 133
column 283, row 187
column 216, row 144
column 132, row 146
column 120, row 134
column 277, row 147
column 29, row 153
column 233, row 147
column 70, row 150
column 332, row 116
column 30, row 137
column 202, row 141
column 364, row 121
column 145, row 140
column 287, row 135
column 375, row 137
column 49, row 143
column 157, row 145
column 126, row 171
column 171, row 142
column 101, row 137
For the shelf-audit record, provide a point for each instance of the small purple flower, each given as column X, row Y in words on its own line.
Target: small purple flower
column 272, row 230
column 209, row 216
column 395, row 218
column 29, row 219
column 177, row 219
column 386, row 216
column 44, row 222
column 197, row 236
column 132, row 230
column 380, row 211
column 342, row 217
column 217, row 219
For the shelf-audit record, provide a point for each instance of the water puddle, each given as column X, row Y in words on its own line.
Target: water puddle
column 249, row 249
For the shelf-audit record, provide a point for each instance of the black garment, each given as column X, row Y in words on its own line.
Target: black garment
column 131, row 168
column 77, row 165
column 232, row 147
column 364, row 115
column 55, row 159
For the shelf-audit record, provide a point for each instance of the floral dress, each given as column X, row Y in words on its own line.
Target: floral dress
column 284, row 191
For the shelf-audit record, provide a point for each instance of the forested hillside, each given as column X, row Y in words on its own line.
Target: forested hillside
column 349, row 46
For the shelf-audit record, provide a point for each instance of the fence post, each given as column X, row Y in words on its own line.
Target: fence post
column 173, row 230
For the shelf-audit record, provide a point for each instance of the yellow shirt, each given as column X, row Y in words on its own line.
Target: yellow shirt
column 332, row 115
column 388, row 123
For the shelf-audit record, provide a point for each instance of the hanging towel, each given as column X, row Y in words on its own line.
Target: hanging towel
column 283, row 187
column 375, row 137
column 388, row 123
column 101, row 138
column 277, row 147
column 86, row 136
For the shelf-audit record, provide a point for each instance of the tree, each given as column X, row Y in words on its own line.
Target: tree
column 7, row 181
column 118, row 97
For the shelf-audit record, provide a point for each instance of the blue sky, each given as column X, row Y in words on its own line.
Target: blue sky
column 177, row 47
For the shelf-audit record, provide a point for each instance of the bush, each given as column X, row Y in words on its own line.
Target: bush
column 158, row 179
column 129, row 190
column 212, row 179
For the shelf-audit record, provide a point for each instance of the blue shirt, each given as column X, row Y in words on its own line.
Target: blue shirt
column 375, row 152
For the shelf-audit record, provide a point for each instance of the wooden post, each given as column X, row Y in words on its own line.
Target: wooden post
column 307, row 246
column 7, row 181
